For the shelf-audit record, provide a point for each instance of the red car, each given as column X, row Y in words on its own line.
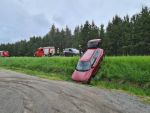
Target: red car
column 4, row 54
column 88, row 64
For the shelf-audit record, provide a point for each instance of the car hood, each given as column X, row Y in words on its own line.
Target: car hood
column 77, row 52
column 81, row 76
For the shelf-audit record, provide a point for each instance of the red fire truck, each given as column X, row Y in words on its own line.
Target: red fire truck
column 44, row 51
column 4, row 54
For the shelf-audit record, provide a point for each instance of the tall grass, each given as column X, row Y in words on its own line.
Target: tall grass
column 134, row 69
column 129, row 73
column 62, row 65
column 114, row 72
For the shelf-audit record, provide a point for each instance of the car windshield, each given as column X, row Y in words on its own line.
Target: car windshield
column 83, row 66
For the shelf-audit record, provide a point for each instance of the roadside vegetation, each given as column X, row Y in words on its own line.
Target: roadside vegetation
column 129, row 73
column 56, row 67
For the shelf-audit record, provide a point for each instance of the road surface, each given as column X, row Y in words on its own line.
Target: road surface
column 21, row 93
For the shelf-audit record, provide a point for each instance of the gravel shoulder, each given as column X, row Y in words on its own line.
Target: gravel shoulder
column 21, row 93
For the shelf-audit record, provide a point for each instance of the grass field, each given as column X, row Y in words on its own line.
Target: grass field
column 129, row 73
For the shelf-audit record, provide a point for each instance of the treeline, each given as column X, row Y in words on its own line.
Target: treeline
column 122, row 36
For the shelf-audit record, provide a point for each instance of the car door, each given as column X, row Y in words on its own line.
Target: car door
column 71, row 52
column 66, row 51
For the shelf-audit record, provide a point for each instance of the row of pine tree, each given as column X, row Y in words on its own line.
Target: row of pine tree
column 122, row 36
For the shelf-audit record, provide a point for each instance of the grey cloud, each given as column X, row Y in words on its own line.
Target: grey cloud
column 16, row 23
column 58, row 20
column 20, row 19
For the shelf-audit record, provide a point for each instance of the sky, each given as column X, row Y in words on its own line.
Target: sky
column 22, row 19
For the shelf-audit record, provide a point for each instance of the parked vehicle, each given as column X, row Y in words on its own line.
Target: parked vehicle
column 4, row 54
column 44, row 51
column 70, row 51
column 89, row 63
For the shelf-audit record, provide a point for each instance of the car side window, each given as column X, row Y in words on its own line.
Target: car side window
column 97, row 53
column 92, row 60
column 94, row 57
column 70, row 50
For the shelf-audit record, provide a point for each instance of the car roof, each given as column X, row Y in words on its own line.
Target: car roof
column 95, row 40
column 87, row 55
column 70, row 48
column 3, row 51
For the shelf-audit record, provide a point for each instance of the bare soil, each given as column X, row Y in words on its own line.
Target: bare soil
column 21, row 93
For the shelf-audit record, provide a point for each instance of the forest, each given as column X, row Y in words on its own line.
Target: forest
column 122, row 36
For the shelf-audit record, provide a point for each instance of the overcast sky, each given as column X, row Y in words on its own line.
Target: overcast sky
column 21, row 19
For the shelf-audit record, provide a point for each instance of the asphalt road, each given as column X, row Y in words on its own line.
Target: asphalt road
column 20, row 93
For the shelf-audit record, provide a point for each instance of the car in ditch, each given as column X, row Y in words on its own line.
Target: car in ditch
column 89, row 63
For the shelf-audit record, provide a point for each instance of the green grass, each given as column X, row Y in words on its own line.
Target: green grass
column 131, row 69
column 128, row 73
column 60, row 65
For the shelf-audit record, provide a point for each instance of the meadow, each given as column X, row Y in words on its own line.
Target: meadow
column 129, row 73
